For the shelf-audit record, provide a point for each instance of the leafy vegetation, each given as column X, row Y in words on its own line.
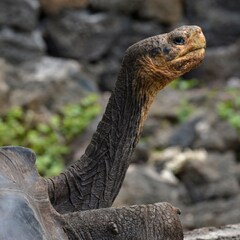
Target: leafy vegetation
column 229, row 109
column 50, row 137
column 184, row 111
column 184, row 84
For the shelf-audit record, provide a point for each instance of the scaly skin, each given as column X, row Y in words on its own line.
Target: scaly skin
column 94, row 181
column 140, row 222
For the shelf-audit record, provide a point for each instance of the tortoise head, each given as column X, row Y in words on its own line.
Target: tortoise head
column 162, row 58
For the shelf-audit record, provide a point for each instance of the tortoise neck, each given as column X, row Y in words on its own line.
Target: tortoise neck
column 123, row 120
column 95, row 180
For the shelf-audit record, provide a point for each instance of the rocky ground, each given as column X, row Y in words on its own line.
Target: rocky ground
column 55, row 52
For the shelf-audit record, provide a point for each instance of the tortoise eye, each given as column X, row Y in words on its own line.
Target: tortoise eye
column 179, row 40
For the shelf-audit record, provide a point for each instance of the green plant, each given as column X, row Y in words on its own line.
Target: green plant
column 184, row 84
column 184, row 111
column 50, row 137
column 76, row 117
column 229, row 109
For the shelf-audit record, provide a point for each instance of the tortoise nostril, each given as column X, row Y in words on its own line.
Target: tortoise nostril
column 154, row 52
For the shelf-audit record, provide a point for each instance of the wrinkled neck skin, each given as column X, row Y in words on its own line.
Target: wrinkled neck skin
column 95, row 180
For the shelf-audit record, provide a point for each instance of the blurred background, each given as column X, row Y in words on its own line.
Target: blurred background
column 59, row 61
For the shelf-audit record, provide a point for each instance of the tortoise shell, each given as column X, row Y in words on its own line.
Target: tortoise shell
column 25, row 209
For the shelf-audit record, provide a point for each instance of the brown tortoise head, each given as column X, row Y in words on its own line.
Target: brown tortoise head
column 165, row 57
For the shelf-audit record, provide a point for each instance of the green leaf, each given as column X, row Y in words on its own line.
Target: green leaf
column 49, row 138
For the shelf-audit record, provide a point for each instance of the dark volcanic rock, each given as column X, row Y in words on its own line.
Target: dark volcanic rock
column 143, row 184
column 219, row 19
column 211, row 213
column 18, row 46
column 81, row 35
column 211, row 178
column 21, row 14
column 165, row 11
column 48, row 82
column 185, row 134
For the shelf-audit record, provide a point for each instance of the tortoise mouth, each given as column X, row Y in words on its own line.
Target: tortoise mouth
column 200, row 49
column 197, row 53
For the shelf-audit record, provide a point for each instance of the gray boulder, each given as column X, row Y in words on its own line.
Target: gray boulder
column 165, row 11
column 202, row 129
column 20, row 14
column 18, row 46
column 219, row 135
column 143, row 184
column 210, row 178
column 82, row 35
column 185, row 134
column 211, row 183
column 48, row 82
column 211, row 213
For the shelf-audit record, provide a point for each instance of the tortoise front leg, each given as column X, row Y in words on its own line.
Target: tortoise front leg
column 158, row 221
